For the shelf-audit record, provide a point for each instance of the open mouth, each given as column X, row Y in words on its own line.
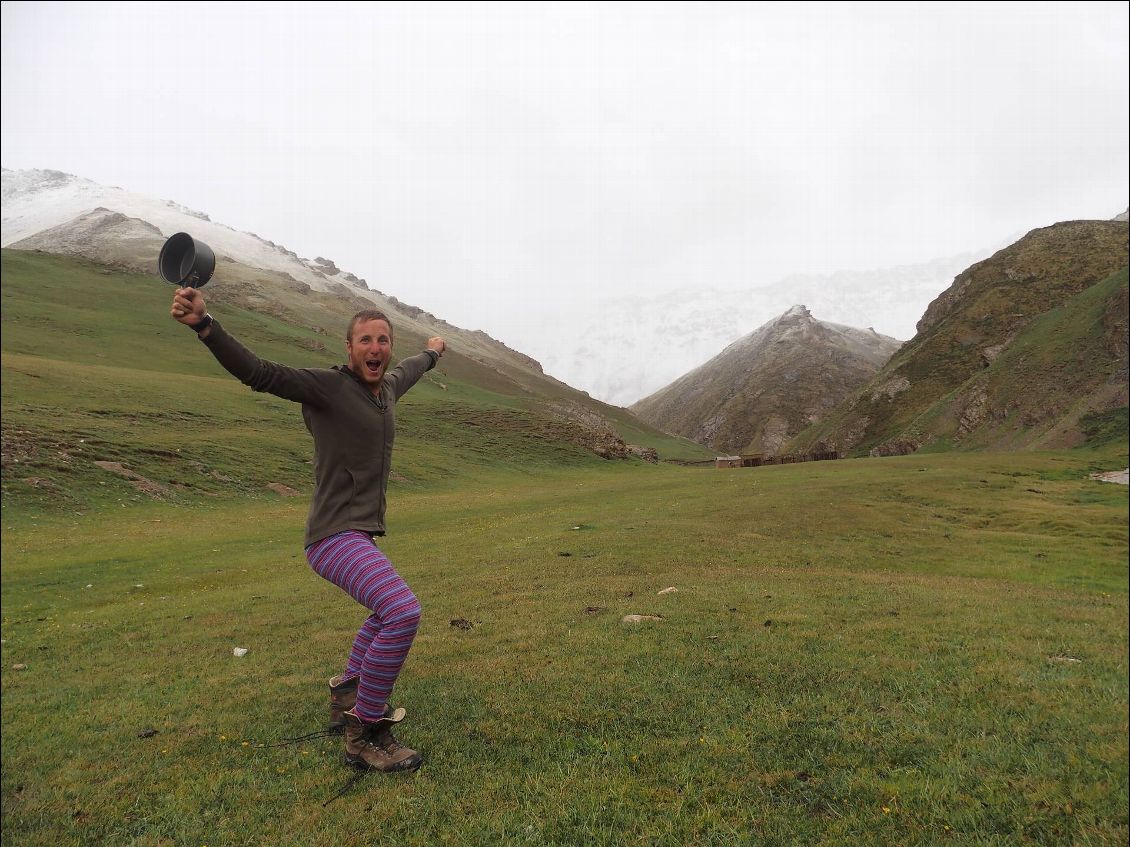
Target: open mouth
column 373, row 366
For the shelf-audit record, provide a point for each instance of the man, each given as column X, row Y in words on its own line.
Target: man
column 349, row 412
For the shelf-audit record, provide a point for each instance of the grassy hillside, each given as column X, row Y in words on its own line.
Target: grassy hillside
column 95, row 370
column 986, row 370
column 1068, row 363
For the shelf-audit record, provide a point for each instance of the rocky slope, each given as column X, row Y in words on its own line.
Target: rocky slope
column 766, row 387
column 1019, row 351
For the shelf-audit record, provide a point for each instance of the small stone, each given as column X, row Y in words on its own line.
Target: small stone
column 19, row 667
column 239, row 652
column 641, row 618
column 667, row 590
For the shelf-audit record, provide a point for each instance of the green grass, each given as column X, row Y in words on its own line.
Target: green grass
column 1106, row 428
column 903, row 651
column 929, row 649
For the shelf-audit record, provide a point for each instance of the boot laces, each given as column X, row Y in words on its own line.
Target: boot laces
column 387, row 741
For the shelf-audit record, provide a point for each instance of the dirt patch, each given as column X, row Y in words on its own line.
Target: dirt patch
column 284, row 490
column 142, row 484
column 1119, row 477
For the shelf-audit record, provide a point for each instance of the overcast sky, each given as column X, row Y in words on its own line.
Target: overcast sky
column 491, row 161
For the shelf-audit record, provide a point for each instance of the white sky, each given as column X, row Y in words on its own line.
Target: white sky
column 494, row 162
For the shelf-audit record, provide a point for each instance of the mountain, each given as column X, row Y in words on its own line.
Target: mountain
column 1027, row 348
column 591, row 344
column 766, row 387
column 57, row 213
column 63, row 213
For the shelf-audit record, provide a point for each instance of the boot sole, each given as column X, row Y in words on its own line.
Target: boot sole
column 360, row 764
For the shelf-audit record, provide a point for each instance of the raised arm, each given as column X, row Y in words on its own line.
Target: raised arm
column 302, row 385
column 408, row 372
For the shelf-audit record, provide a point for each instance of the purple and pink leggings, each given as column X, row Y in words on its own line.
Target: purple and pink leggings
column 353, row 562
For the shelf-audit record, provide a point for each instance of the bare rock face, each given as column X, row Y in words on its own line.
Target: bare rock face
column 592, row 431
column 990, row 354
column 890, row 388
column 974, row 412
column 326, row 266
column 648, row 454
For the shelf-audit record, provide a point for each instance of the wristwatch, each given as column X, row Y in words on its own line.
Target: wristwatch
column 205, row 322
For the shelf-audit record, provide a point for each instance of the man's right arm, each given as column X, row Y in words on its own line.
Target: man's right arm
column 302, row 385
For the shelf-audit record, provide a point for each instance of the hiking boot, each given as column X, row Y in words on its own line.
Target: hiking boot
column 343, row 697
column 370, row 746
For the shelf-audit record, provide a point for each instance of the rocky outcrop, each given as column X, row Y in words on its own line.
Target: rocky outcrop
column 326, row 266
column 591, row 430
column 647, row 454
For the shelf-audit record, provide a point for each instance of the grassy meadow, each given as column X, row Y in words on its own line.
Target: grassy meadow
column 918, row 650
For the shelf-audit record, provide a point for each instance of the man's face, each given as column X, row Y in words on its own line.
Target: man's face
column 369, row 351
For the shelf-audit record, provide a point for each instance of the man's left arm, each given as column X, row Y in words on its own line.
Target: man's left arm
column 408, row 372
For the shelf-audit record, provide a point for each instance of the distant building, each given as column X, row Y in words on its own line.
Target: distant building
column 728, row 462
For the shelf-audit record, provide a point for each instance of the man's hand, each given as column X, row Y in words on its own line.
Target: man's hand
column 188, row 306
column 436, row 343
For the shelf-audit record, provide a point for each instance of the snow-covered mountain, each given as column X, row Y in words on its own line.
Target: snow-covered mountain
column 35, row 201
column 620, row 350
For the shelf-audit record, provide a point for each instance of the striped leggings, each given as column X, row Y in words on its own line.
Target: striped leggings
column 353, row 562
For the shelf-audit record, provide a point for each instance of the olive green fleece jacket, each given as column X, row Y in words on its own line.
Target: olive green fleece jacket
column 353, row 429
